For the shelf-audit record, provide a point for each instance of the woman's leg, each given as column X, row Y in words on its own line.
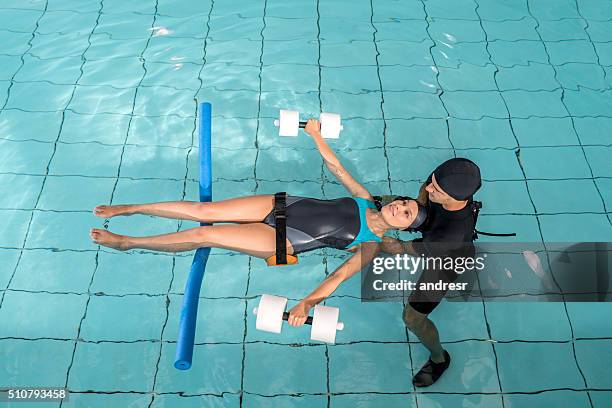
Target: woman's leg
column 242, row 209
column 254, row 239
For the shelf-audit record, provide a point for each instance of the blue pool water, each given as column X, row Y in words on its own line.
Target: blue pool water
column 98, row 105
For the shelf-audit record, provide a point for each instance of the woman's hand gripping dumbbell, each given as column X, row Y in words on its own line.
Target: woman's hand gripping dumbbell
column 271, row 313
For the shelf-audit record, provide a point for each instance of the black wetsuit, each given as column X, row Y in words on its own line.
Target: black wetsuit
column 445, row 234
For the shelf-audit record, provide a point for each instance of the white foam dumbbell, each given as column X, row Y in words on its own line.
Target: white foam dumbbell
column 271, row 313
column 289, row 124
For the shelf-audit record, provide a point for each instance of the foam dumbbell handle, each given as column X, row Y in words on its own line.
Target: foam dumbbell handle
column 339, row 326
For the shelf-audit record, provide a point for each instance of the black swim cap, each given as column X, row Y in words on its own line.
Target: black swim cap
column 458, row 177
column 420, row 217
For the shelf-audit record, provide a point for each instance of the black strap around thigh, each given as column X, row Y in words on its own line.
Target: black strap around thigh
column 280, row 219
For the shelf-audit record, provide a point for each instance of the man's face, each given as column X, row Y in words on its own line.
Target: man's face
column 436, row 194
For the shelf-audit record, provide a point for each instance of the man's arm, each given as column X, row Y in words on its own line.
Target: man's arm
column 396, row 246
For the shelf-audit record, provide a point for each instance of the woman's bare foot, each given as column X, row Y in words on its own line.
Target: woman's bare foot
column 108, row 239
column 109, row 211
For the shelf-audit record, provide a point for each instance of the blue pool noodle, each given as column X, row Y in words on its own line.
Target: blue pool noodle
column 189, row 311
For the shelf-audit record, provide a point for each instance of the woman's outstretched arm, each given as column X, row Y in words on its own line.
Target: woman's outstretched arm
column 362, row 257
column 333, row 164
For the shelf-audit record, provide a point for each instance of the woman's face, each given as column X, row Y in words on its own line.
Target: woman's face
column 400, row 213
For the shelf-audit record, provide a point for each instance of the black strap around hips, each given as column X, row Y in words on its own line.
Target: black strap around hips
column 280, row 221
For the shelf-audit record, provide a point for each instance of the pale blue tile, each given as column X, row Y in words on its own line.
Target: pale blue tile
column 576, row 227
column 369, row 165
column 468, row 77
column 495, row 164
column 64, row 271
column 9, row 258
column 361, row 368
column 14, row 228
column 58, row 193
column 164, row 101
column 593, row 130
column 15, row 44
column 510, row 30
column 249, row 10
column 229, row 104
column 180, row 401
column 588, row 103
column 445, row 400
column 286, row 29
column 510, row 53
column 106, row 318
column 304, row 369
column 280, row 8
column 463, row 9
column 593, row 357
column 605, row 188
column 483, row 133
column 129, row 273
column 285, row 401
column 102, row 99
column 350, row 79
column 59, row 45
column 397, row 9
column 335, row 28
column 544, row 131
column 453, row 55
column 123, row 73
column 283, row 51
column 20, row 20
column 298, row 78
column 24, row 156
column 372, row 401
column 365, row 106
column 571, row 51
column 154, row 161
column 415, row 78
column 561, row 30
column 456, row 30
column 523, row 104
column 19, row 125
column 553, row 9
column 102, row 127
column 407, row 105
column 41, row 362
column 344, row 53
column 218, row 320
column 61, row 230
column 60, row 71
column 240, row 50
column 41, row 96
column 229, row 26
column 164, row 49
column 586, row 319
column 35, row 315
column 224, row 75
column 474, row 105
column 599, row 160
column 535, row 77
column 56, row 21
column 417, row 132
column 552, row 196
column 496, row 10
column 561, row 162
column 178, row 132
column 578, row 399
column 529, row 321
column 178, row 74
column 601, row 399
column 528, row 367
column 25, row 196
column 77, row 400
column 398, row 30
column 132, row 367
column 405, row 52
column 597, row 30
column 103, row 161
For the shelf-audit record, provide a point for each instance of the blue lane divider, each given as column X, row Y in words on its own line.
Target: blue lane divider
column 189, row 311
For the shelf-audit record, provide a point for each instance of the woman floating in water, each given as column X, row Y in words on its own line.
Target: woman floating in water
column 344, row 223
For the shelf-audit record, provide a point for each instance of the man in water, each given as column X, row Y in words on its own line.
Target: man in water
column 448, row 231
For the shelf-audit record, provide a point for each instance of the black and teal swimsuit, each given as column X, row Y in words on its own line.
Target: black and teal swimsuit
column 313, row 223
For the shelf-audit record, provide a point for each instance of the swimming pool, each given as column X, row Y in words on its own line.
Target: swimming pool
column 98, row 105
